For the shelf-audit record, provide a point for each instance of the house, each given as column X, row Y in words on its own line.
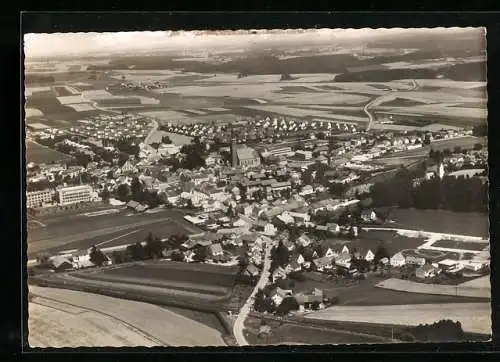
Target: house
column 289, row 245
column 368, row 215
column 251, row 271
column 398, row 260
column 286, row 218
column 447, row 264
column 61, row 263
column 343, row 260
column 188, row 256
column 323, row 263
column 426, row 271
column 216, row 250
column 306, row 299
column 278, row 294
column 278, row 274
column 81, row 259
column 329, row 253
column 300, row 259
column 333, row 228
column 344, row 250
column 304, row 240
column 474, row 265
column 294, row 266
column 369, row 256
column 415, row 260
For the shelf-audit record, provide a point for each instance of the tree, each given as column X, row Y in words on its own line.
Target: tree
column 136, row 251
column 166, row 140
column 117, row 257
column 478, row 146
column 287, row 305
column 105, row 195
column 123, row 192
column 155, row 145
column 200, row 253
column 154, row 246
column 380, row 253
column 97, row 257
column 230, row 211
column 136, row 189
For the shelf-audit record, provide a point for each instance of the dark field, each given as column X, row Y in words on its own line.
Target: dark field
column 402, row 102
column 197, row 273
column 473, row 224
column 460, row 245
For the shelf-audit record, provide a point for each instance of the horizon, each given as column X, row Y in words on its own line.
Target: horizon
column 51, row 45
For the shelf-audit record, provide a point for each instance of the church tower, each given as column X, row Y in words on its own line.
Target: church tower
column 441, row 171
column 234, row 156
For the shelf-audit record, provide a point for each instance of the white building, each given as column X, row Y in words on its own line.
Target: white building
column 39, row 198
column 398, row 260
column 75, row 194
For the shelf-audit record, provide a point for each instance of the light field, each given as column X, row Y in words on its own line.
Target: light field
column 300, row 112
column 33, row 112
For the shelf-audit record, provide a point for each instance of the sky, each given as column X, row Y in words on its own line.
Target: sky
column 55, row 44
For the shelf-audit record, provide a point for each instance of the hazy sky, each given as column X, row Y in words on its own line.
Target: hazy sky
column 36, row 45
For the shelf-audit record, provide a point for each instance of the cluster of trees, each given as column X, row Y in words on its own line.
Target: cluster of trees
column 127, row 146
column 480, row 130
column 443, row 331
column 137, row 192
column 458, row 194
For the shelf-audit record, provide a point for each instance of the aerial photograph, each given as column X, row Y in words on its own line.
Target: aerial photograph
column 257, row 187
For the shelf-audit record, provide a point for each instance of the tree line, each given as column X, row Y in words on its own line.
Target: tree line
column 464, row 194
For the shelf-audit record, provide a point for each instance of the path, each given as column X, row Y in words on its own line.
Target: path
column 239, row 324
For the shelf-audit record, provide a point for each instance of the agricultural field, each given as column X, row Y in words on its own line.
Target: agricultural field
column 301, row 112
column 477, row 322
column 39, row 154
column 176, row 139
column 201, row 279
column 455, row 244
column 472, row 224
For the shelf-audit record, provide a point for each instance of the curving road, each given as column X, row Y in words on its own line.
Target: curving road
column 381, row 99
column 239, row 324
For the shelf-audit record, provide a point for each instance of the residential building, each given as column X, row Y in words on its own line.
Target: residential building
column 398, row 260
column 36, row 199
column 75, row 194
column 415, row 260
column 426, row 271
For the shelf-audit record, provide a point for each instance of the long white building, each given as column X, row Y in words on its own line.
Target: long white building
column 36, row 199
column 75, row 194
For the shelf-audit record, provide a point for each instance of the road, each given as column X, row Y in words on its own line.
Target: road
column 381, row 99
column 151, row 133
column 239, row 324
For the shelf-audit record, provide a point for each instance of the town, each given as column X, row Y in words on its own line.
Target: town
column 291, row 225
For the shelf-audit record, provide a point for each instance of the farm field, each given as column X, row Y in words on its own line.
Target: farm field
column 39, row 154
column 453, row 244
column 479, row 321
column 59, row 325
column 300, row 112
column 163, row 326
column 201, row 278
column 294, row 334
column 473, row 224
column 176, row 139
